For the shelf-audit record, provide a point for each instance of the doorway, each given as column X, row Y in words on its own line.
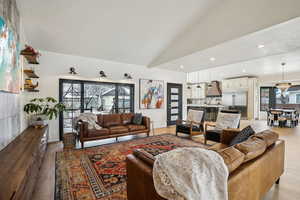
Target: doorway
column 174, row 103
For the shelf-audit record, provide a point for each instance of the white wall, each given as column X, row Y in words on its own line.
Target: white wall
column 54, row 66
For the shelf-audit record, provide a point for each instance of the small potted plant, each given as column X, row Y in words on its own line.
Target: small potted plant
column 42, row 109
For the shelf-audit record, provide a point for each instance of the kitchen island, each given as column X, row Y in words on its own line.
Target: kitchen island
column 211, row 110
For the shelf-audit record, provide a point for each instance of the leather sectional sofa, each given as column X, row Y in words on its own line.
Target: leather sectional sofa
column 114, row 125
column 253, row 170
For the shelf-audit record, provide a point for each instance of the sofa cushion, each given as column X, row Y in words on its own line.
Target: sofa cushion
column 137, row 119
column 133, row 127
column 268, row 136
column 218, row 147
column 96, row 133
column 100, row 120
column 233, row 158
column 252, row 148
column 127, row 118
column 242, row 136
column 111, row 120
column 118, row 129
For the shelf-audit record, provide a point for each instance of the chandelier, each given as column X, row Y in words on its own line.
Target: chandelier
column 283, row 85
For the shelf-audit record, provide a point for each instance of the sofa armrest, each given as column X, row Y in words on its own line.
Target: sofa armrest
column 144, row 156
column 83, row 129
column 140, row 184
column 146, row 122
column 228, row 134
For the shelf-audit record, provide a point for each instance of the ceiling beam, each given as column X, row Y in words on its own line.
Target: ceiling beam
column 229, row 20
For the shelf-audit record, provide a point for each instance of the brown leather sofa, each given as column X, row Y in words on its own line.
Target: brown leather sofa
column 114, row 125
column 250, row 181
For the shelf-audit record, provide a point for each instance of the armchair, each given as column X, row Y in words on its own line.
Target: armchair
column 193, row 125
column 226, row 119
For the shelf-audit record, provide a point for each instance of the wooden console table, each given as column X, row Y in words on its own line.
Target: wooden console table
column 20, row 163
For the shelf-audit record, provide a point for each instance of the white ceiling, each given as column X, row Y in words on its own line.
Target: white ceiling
column 129, row 31
column 269, row 67
column 165, row 34
column 280, row 39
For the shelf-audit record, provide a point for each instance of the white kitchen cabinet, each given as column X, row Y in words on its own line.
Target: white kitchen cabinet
column 197, row 93
column 238, row 84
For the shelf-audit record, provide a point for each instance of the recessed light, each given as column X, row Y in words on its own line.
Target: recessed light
column 212, row 59
column 260, row 46
column 181, row 67
column 244, row 71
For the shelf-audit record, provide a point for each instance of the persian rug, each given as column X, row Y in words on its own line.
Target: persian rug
column 99, row 173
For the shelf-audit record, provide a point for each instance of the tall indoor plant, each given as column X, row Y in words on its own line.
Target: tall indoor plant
column 42, row 109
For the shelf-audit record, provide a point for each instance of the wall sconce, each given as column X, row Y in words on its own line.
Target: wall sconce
column 102, row 74
column 127, row 76
column 72, row 71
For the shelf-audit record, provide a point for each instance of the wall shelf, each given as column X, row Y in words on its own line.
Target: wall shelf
column 31, row 90
column 31, row 55
column 30, row 73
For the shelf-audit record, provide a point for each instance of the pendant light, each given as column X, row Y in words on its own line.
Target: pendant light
column 283, row 85
column 188, row 81
column 198, row 86
column 209, row 85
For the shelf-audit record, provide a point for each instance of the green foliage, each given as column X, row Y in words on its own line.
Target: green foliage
column 44, row 106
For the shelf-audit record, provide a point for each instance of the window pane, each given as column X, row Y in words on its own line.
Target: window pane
column 264, row 99
column 99, row 98
column 71, row 95
column 124, row 100
column 291, row 96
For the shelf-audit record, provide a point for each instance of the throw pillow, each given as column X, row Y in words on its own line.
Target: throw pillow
column 242, row 136
column 137, row 119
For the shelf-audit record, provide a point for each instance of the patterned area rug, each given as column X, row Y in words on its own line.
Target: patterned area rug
column 99, row 173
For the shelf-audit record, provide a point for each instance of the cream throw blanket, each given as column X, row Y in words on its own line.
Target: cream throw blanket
column 90, row 118
column 191, row 174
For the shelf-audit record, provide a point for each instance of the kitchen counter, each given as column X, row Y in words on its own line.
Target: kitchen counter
column 205, row 105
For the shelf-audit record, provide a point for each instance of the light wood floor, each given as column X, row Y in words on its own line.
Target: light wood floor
column 288, row 189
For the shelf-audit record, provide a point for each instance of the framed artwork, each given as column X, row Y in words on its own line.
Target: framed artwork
column 10, row 69
column 151, row 94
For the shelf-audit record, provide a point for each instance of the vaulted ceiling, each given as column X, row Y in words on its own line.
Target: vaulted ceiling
column 155, row 33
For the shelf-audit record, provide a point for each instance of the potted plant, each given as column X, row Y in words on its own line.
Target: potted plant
column 42, row 109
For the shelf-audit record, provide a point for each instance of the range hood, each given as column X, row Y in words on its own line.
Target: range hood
column 214, row 89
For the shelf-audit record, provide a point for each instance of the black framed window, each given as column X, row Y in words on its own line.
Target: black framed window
column 272, row 97
column 267, row 98
column 97, row 97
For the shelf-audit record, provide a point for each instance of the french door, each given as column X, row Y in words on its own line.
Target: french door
column 174, row 103
column 96, row 97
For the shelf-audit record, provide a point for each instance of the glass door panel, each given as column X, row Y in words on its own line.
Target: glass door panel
column 99, row 98
column 174, row 101
column 71, row 98
column 125, row 100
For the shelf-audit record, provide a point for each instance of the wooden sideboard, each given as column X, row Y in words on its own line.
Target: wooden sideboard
column 20, row 163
